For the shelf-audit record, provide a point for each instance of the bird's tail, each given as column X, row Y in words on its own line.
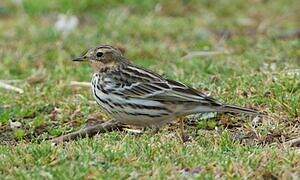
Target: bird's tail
column 237, row 109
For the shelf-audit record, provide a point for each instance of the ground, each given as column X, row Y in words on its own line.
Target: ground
column 247, row 53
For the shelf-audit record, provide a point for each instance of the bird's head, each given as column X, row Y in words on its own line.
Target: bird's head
column 102, row 57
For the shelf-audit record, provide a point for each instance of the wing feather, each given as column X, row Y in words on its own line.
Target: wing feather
column 144, row 84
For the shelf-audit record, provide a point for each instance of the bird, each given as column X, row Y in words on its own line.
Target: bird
column 134, row 95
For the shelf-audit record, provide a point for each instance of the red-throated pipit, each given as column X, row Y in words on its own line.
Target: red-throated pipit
column 135, row 96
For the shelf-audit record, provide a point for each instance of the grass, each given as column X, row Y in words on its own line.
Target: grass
column 259, row 70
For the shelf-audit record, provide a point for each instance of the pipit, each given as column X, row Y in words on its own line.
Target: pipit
column 136, row 96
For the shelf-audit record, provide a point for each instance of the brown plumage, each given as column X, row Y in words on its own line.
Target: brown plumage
column 136, row 96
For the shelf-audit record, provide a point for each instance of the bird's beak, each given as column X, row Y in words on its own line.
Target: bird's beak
column 83, row 58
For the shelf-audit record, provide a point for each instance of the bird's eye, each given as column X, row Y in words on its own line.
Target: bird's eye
column 99, row 54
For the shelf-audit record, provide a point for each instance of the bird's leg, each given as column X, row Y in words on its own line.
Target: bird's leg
column 182, row 136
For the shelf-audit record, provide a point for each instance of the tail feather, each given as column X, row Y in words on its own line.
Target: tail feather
column 237, row 109
column 222, row 108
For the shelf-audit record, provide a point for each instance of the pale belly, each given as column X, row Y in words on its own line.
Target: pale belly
column 138, row 112
column 141, row 120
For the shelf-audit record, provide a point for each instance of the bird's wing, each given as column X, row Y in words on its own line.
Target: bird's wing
column 144, row 84
column 168, row 91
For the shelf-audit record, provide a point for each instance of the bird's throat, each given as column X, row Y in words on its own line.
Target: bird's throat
column 101, row 67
